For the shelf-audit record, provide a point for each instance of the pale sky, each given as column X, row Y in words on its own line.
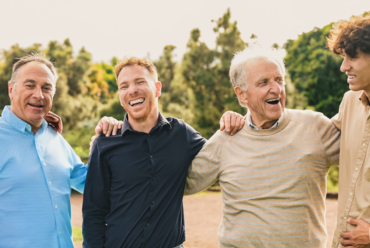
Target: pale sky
column 124, row 28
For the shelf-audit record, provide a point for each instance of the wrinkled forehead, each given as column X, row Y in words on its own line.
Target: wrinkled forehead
column 263, row 67
column 34, row 70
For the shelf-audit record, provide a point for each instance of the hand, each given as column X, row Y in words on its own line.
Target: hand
column 359, row 237
column 54, row 121
column 108, row 126
column 91, row 143
column 232, row 122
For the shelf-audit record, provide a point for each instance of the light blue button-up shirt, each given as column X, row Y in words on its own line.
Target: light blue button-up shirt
column 37, row 172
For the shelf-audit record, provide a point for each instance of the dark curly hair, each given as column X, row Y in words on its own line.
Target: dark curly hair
column 350, row 36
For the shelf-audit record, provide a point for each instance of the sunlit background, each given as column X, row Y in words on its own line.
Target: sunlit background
column 190, row 42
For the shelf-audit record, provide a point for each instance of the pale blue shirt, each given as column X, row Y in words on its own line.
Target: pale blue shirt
column 250, row 123
column 37, row 172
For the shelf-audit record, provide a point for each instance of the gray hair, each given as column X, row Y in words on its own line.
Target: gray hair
column 33, row 57
column 237, row 73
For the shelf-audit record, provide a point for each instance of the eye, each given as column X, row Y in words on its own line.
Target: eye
column 29, row 86
column 123, row 87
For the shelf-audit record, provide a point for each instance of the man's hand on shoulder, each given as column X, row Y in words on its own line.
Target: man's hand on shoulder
column 232, row 122
column 106, row 125
column 359, row 237
column 54, row 121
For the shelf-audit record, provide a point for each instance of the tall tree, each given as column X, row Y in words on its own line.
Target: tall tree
column 314, row 70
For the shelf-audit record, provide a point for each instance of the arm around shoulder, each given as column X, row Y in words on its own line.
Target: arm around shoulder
column 204, row 170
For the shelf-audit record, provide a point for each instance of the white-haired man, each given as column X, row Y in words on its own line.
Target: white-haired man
column 273, row 172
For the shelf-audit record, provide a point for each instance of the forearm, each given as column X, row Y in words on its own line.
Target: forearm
column 93, row 229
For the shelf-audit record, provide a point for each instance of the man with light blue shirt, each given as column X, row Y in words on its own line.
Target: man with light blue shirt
column 38, row 167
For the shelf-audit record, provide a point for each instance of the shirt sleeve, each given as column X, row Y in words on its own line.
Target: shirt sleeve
column 195, row 141
column 337, row 119
column 330, row 138
column 204, row 170
column 78, row 174
column 96, row 202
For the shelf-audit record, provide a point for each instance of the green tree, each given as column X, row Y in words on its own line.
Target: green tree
column 314, row 70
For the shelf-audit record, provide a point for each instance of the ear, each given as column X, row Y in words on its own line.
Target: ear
column 158, row 88
column 241, row 94
column 10, row 90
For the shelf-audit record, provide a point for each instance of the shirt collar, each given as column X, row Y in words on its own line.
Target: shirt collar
column 250, row 123
column 19, row 124
column 161, row 122
column 364, row 100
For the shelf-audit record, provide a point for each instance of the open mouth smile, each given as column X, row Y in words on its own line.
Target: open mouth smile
column 36, row 106
column 137, row 102
column 273, row 101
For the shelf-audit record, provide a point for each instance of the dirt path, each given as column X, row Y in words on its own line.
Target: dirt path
column 203, row 214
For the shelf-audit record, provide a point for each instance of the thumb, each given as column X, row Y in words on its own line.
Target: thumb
column 98, row 130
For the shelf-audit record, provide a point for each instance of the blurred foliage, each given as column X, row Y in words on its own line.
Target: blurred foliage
column 314, row 70
column 196, row 88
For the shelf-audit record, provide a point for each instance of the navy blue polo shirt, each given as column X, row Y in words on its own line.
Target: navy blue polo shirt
column 135, row 184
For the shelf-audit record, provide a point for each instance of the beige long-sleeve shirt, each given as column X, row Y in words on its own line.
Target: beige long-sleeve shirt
column 273, row 181
column 353, row 120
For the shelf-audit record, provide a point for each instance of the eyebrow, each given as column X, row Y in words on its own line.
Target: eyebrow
column 135, row 80
column 33, row 82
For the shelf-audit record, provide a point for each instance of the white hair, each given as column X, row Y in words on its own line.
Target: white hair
column 241, row 59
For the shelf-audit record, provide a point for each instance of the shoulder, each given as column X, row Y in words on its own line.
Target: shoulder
column 180, row 124
column 308, row 118
column 306, row 112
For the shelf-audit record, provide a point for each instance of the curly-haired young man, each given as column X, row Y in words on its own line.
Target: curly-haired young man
column 351, row 39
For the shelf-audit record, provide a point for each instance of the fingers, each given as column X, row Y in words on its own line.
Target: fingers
column 111, row 122
column 108, row 126
column 92, row 142
column 235, row 123
column 347, row 243
column 222, row 123
column 345, row 235
column 353, row 222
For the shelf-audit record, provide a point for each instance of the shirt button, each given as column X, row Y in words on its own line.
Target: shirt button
column 356, row 168
column 364, row 144
column 44, row 164
column 60, row 232
column 56, row 206
column 49, row 182
column 153, row 178
column 344, row 218
column 149, row 135
column 147, row 224
column 152, row 202
column 351, row 193
column 151, row 156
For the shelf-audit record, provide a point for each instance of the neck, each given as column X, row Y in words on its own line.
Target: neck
column 263, row 124
column 144, row 124
column 34, row 129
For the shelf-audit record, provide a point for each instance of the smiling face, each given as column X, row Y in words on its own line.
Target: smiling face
column 32, row 93
column 138, row 93
column 265, row 97
column 357, row 70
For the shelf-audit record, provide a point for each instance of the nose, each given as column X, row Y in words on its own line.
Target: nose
column 276, row 88
column 38, row 93
column 345, row 66
column 133, row 90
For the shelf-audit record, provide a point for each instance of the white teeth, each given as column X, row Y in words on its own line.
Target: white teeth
column 351, row 77
column 136, row 101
